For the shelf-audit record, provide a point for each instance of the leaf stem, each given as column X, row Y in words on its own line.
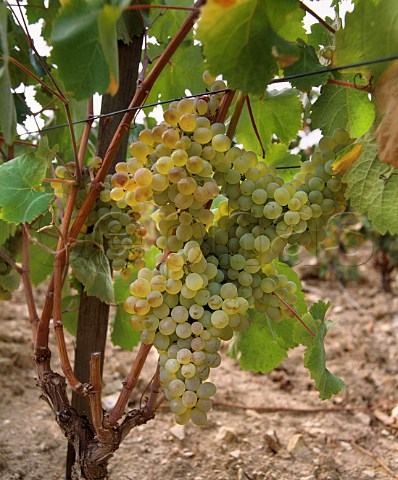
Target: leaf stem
column 294, row 313
column 365, row 88
column 236, row 115
column 249, row 109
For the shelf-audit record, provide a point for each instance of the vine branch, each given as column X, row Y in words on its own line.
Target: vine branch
column 315, row 15
column 129, row 384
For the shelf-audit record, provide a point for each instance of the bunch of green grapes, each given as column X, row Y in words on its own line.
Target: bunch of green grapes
column 215, row 263
column 112, row 220
column 9, row 278
column 185, row 310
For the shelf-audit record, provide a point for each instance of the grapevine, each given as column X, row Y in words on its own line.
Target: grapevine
column 178, row 225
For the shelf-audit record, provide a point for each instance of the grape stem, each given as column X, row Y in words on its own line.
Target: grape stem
column 294, row 313
column 166, row 253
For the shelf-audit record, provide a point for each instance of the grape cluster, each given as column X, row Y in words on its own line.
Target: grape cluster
column 183, row 309
column 112, row 220
column 215, row 263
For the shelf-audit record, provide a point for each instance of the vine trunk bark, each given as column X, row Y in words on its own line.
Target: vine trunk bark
column 93, row 316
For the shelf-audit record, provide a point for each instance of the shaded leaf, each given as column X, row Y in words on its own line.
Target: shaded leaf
column 107, row 20
column 187, row 62
column 243, row 40
column 70, row 313
column 7, row 230
column 41, row 260
column 166, row 25
column 308, row 62
column 122, row 335
column 278, row 155
column 91, row 268
column 8, row 115
column 86, row 72
column 342, row 107
column 315, row 357
column 277, row 113
column 10, row 281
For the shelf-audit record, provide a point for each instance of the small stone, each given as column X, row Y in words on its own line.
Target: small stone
column 272, row 441
column 178, row 431
column 235, row 453
column 363, row 418
column 369, row 473
column 109, row 401
column 226, row 435
column 188, row 454
column 299, row 449
column 394, row 412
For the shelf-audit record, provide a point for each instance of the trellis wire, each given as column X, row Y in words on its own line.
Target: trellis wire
column 163, row 102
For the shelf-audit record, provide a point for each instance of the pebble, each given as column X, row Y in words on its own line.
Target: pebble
column 369, row 473
column 178, row 431
column 363, row 418
column 226, row 435
column 299, row 449
column 235, row 453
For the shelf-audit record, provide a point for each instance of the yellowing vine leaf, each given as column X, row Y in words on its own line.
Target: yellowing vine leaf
column 386, row 95
column 347, row 158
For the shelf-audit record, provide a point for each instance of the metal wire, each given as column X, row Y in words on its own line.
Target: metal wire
column 275, row 80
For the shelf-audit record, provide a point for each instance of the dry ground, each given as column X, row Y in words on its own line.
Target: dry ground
column 238, row 443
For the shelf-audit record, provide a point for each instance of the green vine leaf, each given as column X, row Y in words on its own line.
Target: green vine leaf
column 187, row 62
column 85, row 71
column 372, row 187
column 276, row 113
column 343, row 107
column 279, row 155
column 7, row 230
column 21, row 198
column 8, row 114
column 244, row 40
column 308, row 62
column 166, row 25
column 122, row 335
column 262, row 346
column 314, row 357
column 92, row 269
column 265, row 343
column 370, row 32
